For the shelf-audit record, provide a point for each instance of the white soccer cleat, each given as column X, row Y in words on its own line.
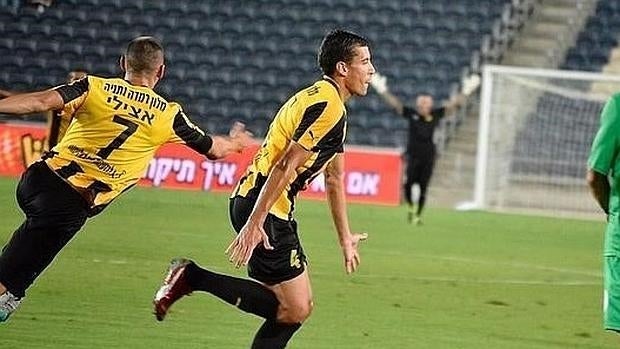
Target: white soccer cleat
column 8, row 305
column 417, row 220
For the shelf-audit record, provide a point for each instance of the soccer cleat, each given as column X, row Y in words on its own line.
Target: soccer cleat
column 410, row 214
column 173, row 288
column 417, row 220
column 8, row 304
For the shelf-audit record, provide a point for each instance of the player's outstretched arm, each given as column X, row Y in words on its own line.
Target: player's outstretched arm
column 33, row 102
column 470, row 84
column 599, row 186
column 334, row 183
column 237, row 140
column 379, row 83
column 252, row 233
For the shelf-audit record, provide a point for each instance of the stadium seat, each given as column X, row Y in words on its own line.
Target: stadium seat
column 37, row 29
column 7, row 42
column 24, row 48
column 594, row 43
column 34, row 62
column 18, row 28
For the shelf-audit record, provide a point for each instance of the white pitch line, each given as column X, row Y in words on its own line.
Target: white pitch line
column 510, row 281
column 524, row 266
column 111, row 261
column 117, row 262
column 470, row 281
column 439, row 278
column 463, row 280
column 595, row 274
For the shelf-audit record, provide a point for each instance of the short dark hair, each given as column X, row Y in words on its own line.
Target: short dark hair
column 423, row 93
column 143, row 53
column 338, row 46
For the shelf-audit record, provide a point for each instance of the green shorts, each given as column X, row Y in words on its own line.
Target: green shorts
column 611, row 297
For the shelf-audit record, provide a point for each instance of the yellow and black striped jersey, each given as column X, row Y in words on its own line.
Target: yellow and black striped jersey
column 116, row 130
column 315, row 118
column 58, row 122
column 57, row 125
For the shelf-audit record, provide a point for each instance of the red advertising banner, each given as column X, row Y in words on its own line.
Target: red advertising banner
column 371, row 176
column 20, row 145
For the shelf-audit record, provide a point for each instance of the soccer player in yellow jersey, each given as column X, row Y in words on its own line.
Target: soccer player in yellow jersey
column 305, row 138
column 118, row 125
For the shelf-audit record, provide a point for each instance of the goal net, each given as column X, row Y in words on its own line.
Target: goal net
column 536, row 129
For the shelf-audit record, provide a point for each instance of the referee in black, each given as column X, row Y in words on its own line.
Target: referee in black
column 421, row 151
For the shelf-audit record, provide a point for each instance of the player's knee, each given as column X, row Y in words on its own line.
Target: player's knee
column 297, row 313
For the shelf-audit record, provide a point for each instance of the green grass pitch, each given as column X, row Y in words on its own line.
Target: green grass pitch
column 463, row 280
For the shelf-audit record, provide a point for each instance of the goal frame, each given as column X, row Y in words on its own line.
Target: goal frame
column 489, row 71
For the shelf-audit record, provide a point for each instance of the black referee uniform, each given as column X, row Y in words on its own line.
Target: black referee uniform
column 421, row 152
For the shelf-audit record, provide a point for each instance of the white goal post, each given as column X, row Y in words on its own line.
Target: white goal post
column 535, row 131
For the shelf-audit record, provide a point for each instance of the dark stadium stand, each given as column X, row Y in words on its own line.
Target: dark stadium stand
column 240, row 60
column 600, row 35
column 543, row 140
column 555, row 141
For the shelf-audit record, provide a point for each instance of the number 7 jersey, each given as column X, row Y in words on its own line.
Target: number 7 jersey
column 116, row 129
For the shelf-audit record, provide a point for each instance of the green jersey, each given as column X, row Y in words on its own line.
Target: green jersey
column 604, row 160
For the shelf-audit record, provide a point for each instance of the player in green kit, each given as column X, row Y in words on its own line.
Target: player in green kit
column 604, row 181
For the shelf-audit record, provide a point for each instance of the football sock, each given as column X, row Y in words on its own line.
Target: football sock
column 410, row 211
column 407, row 190
column 421, row 202
column 247, row 295
column 274, row 335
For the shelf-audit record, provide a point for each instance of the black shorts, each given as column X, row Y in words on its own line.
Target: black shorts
column 55, row 212
column 420, row 170
column 287, row 259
